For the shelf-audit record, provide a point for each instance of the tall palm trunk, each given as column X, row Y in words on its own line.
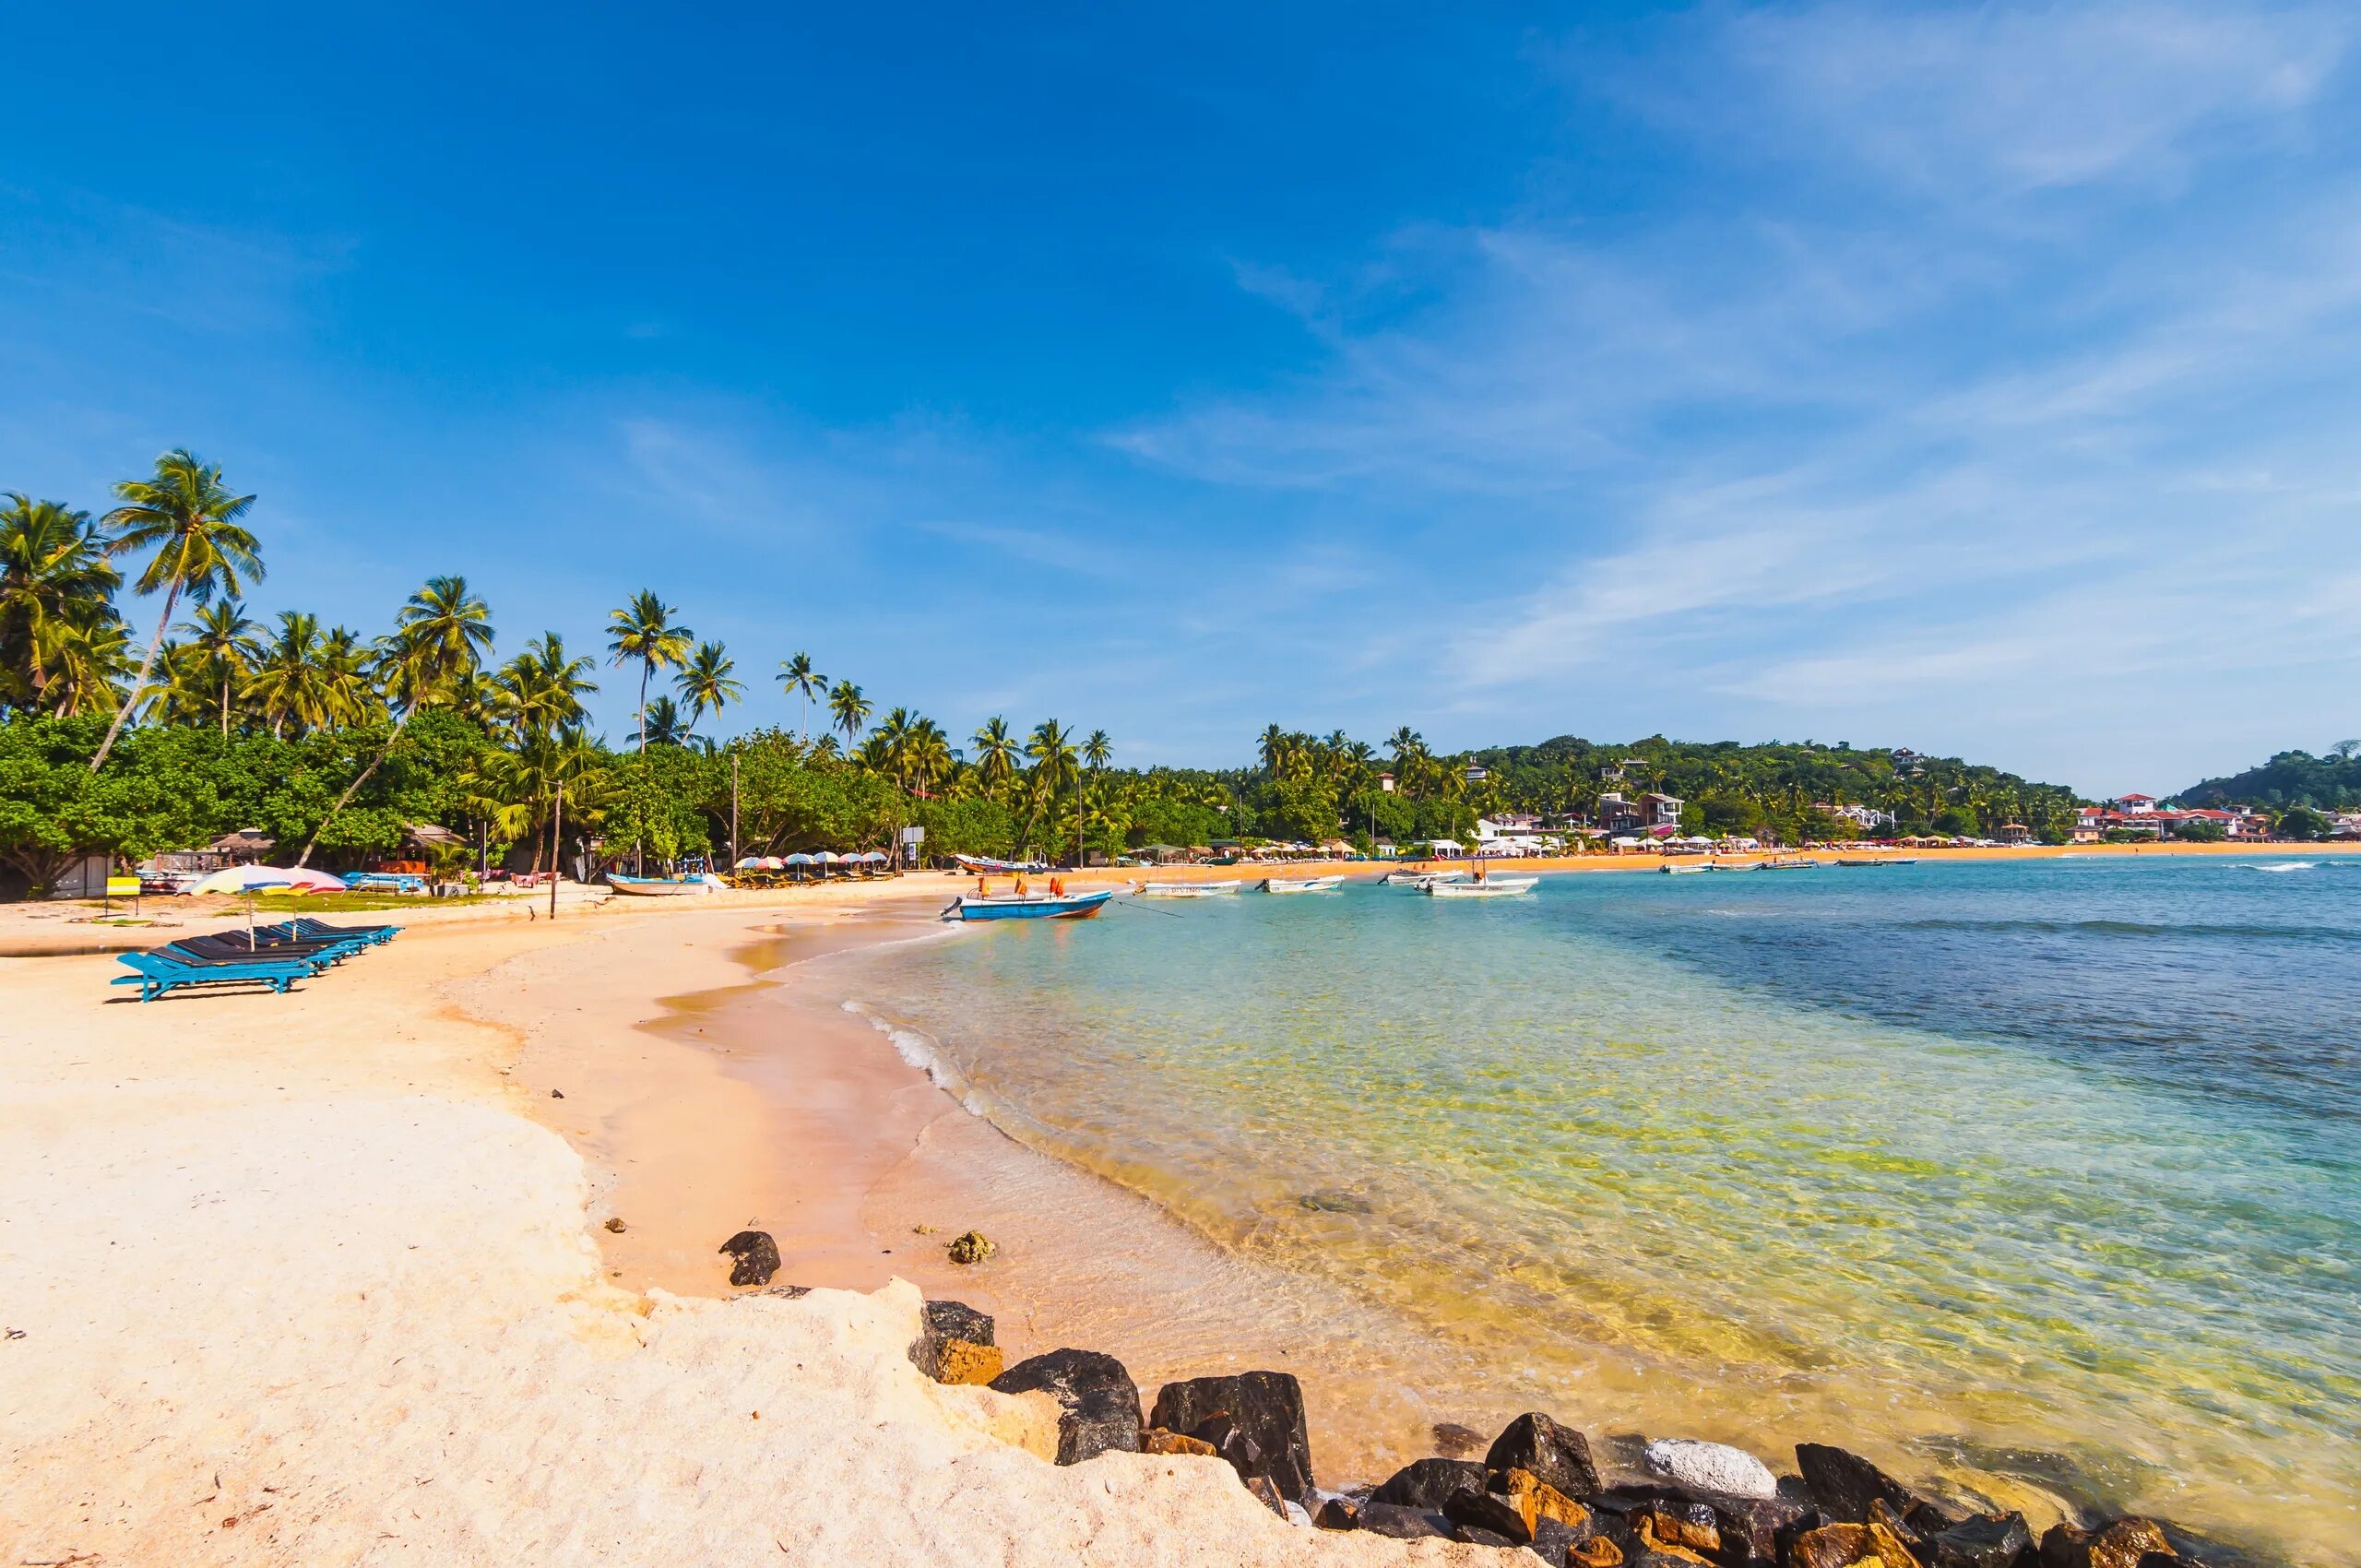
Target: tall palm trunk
column 646, row 667
column 225, row 705
column 351, row 789
column 147, row 663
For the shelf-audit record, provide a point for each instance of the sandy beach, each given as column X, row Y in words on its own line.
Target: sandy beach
column 303, row 1278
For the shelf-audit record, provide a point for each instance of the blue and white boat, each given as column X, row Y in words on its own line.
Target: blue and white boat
column 662, row 887
column 1032, row 907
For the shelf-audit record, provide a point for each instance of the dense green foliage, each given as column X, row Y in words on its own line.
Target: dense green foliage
column 2291, row 778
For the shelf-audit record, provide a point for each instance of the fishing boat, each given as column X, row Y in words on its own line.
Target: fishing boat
column 1901, row 860
column 661, row 887
column 1490, row 888
column 1420, row 882
column 1672, row 870
column 1188, row 889
column 1787, row 863
column 1032, row 907
column 1301, row 883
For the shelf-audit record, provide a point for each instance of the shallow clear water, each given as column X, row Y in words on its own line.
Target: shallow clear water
column 2032, row 1169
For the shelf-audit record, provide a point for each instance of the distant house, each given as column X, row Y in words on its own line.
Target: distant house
column 2134, row 805
column 1660, row 810
column 1617, row 815
column 2016, row 833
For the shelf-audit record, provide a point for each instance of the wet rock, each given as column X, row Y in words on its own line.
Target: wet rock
column 1263, row 1491
column 1547, row 1502
column 1098, row 1403
column 754, row 1255
column 972, row 1246
column 1550, row 1539
column 1845, row 1545
column 2119, row 1545
column 1986, row 1541
column 1497, row 1513
column 1266, row 1411
column 1455, row 1441
column 955, row 1344
column 1557, row 1456
column 1156, row 1439
column 1599, row 1551
column 1337, row 1512
column 1476, row 1535
column 1332, row 1200
column 1690, row 1535
column 1403, row 1523
column 1752, row 1529
column 1844, row 1484
column 1710, row 1467
column 1424, row 1483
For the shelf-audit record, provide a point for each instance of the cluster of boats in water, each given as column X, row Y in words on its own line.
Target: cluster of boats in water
column 1060, row 905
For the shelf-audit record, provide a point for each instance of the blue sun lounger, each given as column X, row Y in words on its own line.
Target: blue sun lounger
column 158, row 973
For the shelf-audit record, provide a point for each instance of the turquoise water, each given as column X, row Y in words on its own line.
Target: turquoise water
column 2031, row 1169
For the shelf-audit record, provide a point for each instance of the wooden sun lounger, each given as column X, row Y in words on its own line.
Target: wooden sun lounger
column 159, row 973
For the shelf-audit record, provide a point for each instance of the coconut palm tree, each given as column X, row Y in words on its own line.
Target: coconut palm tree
column 996, row 753
column 53, row 569
column 1051, row 747
column 850, row 709
column 541, row 689
column 644, row 630
column 798, row 676
column 1272, row 748
column 1097, row 750
column 223, row 638
column 87, row 659
column 431, row 658
column 285, row 684
column 705, row 682
column 349, row 692
column 661, row 724
column 188, row 516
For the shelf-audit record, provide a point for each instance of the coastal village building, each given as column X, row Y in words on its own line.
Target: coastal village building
column 1618, row 816
column 2143, row 814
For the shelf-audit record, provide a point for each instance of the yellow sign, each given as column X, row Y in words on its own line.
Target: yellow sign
column 122, row 887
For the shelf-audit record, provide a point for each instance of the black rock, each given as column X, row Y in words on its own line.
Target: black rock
column 1473, row 1536
column 1403, row 1523
column 1264, row 1407
column 1337, row 1512
column 943, row 1322
column 1424, row 1483
column 1986, row 1541
column 756, row 1257
column 1263, row 1491
column 1099, row 1404
column 1455, row 1441
column 1559, row 1456
column 1844, row 1484
column 1549, row 1542
column 1489, row 1512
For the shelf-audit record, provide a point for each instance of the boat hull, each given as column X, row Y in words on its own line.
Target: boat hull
column 1188, row 889
column 1510, row 887
column 1072, row 907
column 1304, row 884
column 657, row 886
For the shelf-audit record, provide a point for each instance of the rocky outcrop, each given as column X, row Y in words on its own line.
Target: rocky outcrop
column 1403, row 1523
column 1476, row 1508
column 1844, row 1545
column 1099, row 1405
column 1986, row 1541
column 1253, row 1420
column 1156, row 1439
column 2119, row 1545
column 1425, row 1483
column 955, row 1344
column 1844, row 1485
column 1555, row 1455
column 1710, row 1467
column 755, row 1257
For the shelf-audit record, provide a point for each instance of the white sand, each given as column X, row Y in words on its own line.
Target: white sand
column 296, row 1284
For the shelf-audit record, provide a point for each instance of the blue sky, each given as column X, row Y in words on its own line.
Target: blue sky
column 1980, row 379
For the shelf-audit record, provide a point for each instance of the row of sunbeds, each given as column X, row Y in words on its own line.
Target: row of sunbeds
column 275, row 955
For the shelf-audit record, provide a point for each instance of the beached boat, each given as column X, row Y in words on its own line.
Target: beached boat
column 1188, row 889
column 1301, row 883
column 1032, row 907
column 661, row 887
column 1490, row 888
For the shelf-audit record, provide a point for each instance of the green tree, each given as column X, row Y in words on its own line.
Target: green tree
column 223, row 639
column 705, row 682
column 850, row 709
column 56, row 589
column 643, row 630
column 796, row 674
column 189, row 518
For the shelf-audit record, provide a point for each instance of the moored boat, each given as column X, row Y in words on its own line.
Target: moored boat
column 1301, row 883
column 1032, row 907
column 1419, row 882
column 1490, row 888
column 661, row 887
column 1672, row 870
column 1188, row 889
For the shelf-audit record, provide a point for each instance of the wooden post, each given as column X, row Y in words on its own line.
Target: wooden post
column 557, row 845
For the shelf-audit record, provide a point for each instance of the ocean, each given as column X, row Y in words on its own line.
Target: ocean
column 2042, row 1173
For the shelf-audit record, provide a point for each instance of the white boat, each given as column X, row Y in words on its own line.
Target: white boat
column 1490, row 888
column 1188, row 889
column 1671, row 870
column 1419, row 882
column 664, row 886
column 1302, row 884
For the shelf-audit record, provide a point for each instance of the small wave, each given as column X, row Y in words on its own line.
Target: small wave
column 920, row 1051
column 2285, row 865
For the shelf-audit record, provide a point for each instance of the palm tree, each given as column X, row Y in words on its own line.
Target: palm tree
column 1274, row 748
column 53, row 571
column 223, row 638
column 286, row 684
column 347, row 679
column 440, row 636
column 851, row 709
column 190, row 519
column 1097, row 750
column 796, row 675
column 643, row 630
column 1052, row 749
column 705, row 682
column 661, row 724
column 996, row 752
column 87, row 658
column 541, row 689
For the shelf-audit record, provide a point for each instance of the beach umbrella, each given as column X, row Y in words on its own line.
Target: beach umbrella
column 798, row 859
column 241, row 879
column 827, row 858
column 304, row 879
column 752, row 862
column 772, row 862
column 875, row 856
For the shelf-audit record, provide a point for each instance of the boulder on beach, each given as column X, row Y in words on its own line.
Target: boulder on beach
column 1424, row 1483
column 1337, row 1512
column 971, row 1246
column 1557, row 1455
column 1709, row 1467
column 1845, row 1545
column 955, row 1344
column 1508, row 1516
column 754, row 1255
column 1404, row 1524
column 1548, row 1503
column 1099, row 1405
column 1265, row 1434
column 1844, row 1484
column 2118, row 1545
column 1157, row 1440
column 1985, row 1540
